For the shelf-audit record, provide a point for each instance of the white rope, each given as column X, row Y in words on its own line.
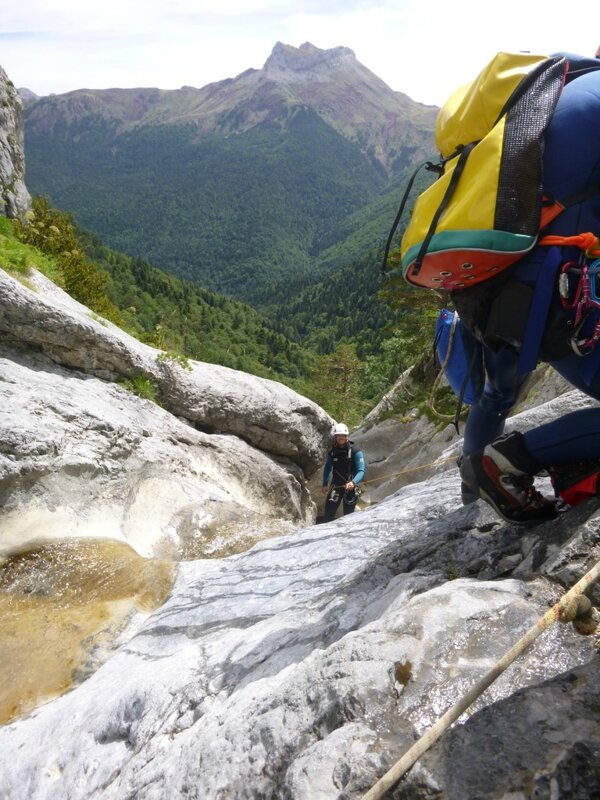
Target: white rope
column 435, row 732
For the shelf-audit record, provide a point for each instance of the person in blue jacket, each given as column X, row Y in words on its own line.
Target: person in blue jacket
column 501, row 469
column 345, row 467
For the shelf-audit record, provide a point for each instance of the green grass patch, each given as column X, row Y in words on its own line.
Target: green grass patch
column 142, row 387
column 18, row 258
column 173, row 357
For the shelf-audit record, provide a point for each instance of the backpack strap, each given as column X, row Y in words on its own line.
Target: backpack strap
column 432, row 168
column 538, row 312
column 458, row 170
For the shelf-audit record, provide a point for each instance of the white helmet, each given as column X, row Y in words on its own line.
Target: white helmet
column 341, row 430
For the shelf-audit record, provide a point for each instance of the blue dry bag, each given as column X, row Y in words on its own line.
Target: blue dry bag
column 460, row 356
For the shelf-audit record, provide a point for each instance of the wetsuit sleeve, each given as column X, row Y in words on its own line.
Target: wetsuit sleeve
column 327, row 469
column 359, row 466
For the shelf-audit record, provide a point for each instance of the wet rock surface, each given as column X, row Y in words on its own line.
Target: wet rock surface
column 305, row 667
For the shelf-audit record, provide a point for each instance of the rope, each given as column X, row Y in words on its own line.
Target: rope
column 410, row 469
column 430, row 402
column 401, row 472
column 588, row 242
column 435, row 732
column 442, row 369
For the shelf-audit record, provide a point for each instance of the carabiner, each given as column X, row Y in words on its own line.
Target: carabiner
column 593, row 270
column 570, row 269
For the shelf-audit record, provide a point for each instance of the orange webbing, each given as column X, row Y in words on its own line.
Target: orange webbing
column 588, row 242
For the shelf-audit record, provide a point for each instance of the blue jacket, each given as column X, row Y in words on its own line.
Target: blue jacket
column 345, row 464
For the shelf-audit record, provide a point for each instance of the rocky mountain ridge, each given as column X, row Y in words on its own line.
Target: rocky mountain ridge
column 346, row 94
column 250, row 187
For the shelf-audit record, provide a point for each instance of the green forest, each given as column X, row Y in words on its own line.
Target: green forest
column 341, row 342
column 243, row 215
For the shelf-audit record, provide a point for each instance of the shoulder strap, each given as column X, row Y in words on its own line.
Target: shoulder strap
column 458, row 170
column 538, row 312
column 432, row 168
column 580, row 197
column 580, row 66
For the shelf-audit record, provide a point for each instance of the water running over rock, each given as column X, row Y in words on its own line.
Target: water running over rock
column 63, row 605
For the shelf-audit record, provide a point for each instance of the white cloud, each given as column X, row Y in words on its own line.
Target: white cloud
column 422, row 49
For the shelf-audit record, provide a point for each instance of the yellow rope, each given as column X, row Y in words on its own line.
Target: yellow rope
column 435, row 732
column 410, row 469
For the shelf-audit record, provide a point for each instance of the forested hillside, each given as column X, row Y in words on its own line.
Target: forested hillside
column 240, row 215
column 251, row 187
column 341, row 342
column 180, row 318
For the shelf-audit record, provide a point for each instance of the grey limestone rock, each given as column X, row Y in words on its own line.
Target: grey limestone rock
column 222, row 463
column 14, row 197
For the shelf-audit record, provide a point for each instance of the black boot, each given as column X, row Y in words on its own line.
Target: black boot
column 502, row 475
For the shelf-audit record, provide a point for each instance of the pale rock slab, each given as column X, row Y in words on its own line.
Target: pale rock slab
column 80, row 456
column 306, row 666
column 216, row 399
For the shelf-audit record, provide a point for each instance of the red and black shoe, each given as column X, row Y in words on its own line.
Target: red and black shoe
column 502, row 475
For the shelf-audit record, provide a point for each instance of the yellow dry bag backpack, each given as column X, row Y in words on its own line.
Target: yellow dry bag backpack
column 486, row 208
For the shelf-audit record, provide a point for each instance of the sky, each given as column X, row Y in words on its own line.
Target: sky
column 424, row 49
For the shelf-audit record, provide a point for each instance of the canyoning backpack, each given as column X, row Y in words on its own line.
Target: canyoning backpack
column 485, row 210
column 487, row 206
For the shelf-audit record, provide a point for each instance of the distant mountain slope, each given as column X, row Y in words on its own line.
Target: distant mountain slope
column 344, row 93
column 240, row 185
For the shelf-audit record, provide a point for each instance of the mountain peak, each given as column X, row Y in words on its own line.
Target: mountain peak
column 302, row 62
column 26, row 94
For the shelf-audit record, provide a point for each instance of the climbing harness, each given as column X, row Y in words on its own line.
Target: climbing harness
column 351, row 496
column 570, row 608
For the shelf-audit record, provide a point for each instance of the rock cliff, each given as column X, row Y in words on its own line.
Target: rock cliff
column 80, row 454
column 14, row 197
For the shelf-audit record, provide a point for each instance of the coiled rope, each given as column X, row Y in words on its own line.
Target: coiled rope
column 561, row 611
column 442, row 371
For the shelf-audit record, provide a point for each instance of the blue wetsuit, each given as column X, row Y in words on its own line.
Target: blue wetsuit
column 571, row 166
